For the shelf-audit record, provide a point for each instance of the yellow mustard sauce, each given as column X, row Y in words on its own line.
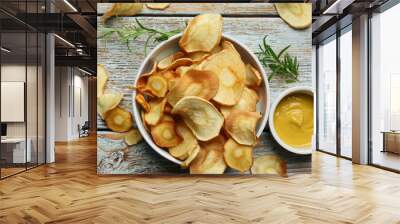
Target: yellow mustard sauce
column 294, row 120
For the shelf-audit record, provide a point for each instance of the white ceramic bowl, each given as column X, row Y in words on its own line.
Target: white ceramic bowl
column 169, row 47
column 306, row 90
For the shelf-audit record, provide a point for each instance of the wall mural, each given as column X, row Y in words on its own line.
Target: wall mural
column 201, row 88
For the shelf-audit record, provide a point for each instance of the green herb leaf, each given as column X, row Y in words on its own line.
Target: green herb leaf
column 281, row 64
column 128, row 34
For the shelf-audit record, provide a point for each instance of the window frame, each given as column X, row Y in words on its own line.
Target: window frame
column 381, row 9
column 29, row 29
column 334, row 37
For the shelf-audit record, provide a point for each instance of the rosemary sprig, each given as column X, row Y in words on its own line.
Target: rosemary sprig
column 128, row 34
column 281, row 64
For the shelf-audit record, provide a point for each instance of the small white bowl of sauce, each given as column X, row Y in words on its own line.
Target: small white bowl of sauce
column 292, row 120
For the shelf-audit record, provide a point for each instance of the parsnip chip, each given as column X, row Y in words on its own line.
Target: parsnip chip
column 141, row 83
column 172, row 83
column 208, row 162
column 164, row 134
column 133, row 137
column 156, row 111
column 157, row 85
column 269, row 164
column 189, row 142
column 182, row 70
column 179, row 62
column 216, row 49
column 230, row 69
column 216, row 144
column 238, row 157
column 102, row 77
column 241, row 126
column 248, row 102
column 142, row 114
column 169, row 74
column 167, row 109
column 192, row 155
column 253, row 77
column 228, row 45
column 142, row 101
column 200, row 116
column 157, row 6
column 167, row 61
column 118, row 119
column 184, row 156
column 297, row 15
column 107, row 102
column 166, row 118
column 122, row 9
column 198, row 56
column 199, row 83
column 203, row 33
column 210, row 159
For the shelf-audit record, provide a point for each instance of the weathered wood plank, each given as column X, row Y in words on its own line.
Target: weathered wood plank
column 249, row 31
column 142, row 159
column 123, row 64
column 182, row 9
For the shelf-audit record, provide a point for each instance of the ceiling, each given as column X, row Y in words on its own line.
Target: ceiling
column 72, row 20
column 76, row 21
column 15, row 42
column 332, row 15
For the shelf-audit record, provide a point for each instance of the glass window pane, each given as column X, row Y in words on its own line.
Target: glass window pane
column 346, row 94
column 13, row 85
column 327, row 97
column 22, row 77
column 385, row 89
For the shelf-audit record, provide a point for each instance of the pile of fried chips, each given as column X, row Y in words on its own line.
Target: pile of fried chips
column 117, row 119
column 200, row 102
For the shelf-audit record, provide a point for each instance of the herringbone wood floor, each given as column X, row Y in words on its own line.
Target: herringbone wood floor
column 69, row 191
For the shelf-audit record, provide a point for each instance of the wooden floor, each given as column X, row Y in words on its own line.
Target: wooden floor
column 69, row 191
column 9, row 171
column 5, row 172
column 387, row 159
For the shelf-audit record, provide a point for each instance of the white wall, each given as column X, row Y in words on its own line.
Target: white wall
column 33, row 127
column 9, row 73
column 80, row 110
column 71, row 93
column 16, row 73
column 61, row 104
